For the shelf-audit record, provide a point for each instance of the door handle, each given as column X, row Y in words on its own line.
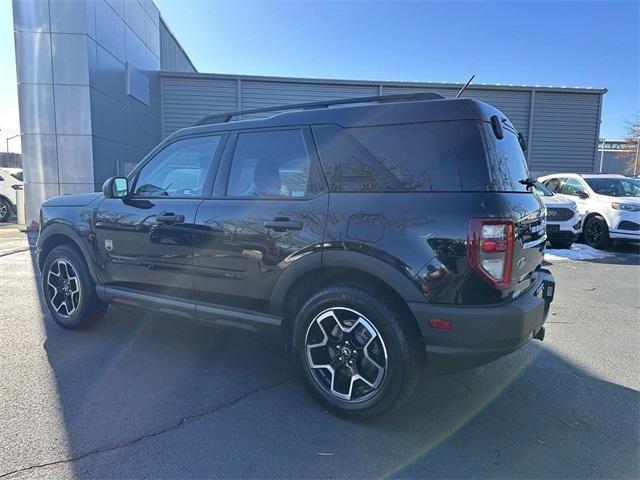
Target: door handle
column 169, row 218
column 283, row 224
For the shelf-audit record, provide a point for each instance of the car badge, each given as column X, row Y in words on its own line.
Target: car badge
column 108, row 245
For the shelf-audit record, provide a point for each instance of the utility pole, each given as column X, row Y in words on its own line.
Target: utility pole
column 635, row 165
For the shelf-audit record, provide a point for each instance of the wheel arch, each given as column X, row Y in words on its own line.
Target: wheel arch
column 590, row 215
column 59, row 234
column 9, row 201
column 340, row 268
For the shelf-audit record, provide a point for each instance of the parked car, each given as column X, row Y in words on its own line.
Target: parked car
column 609, row 204
column 10, row 182
column 369, row 236
column 564, row 223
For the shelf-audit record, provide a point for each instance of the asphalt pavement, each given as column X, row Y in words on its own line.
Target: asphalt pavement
column 142, row 396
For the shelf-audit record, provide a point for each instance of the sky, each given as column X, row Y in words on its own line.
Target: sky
column 564, row 43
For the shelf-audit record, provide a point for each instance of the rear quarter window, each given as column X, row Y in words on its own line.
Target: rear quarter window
column 507, row 165
column 488, row 163
column 418, row 157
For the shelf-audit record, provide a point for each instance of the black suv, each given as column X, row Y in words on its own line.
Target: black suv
column 373, row 237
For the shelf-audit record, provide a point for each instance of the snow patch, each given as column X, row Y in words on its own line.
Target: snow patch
column 576, row 252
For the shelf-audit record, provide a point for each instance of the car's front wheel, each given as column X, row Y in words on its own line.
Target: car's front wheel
column 69, row 290
column 358, row 356
column 596, row 233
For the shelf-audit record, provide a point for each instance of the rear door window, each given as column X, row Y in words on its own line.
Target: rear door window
column 418, row 157
column 273, row 164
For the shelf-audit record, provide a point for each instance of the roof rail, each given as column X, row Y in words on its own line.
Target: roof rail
column 403, row 97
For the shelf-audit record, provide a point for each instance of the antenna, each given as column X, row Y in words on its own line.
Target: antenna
column 465, row 85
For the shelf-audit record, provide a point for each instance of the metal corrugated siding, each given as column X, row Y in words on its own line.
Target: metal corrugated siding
column 565, row 132
column 257, row 94
column 172, row 57
column 187, row 100
column 514, row 104
column 565, row 125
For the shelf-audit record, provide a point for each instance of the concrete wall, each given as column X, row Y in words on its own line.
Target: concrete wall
column 89, row 91
column 561, row 124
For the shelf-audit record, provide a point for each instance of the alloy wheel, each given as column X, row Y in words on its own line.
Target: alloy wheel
column 63, row 285
column 594, row 232
column 4, row 211
column 346, row 354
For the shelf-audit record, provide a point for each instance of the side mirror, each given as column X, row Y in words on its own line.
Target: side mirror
column 522, row 142
column 116, row 187
column 582, row 194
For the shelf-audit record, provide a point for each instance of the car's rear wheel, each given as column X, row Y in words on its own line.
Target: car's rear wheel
column 5, row 210
column 357, row 356
column 69, row 290
column 596, row 233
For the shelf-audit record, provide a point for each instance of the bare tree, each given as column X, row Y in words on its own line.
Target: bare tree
column 632, row 140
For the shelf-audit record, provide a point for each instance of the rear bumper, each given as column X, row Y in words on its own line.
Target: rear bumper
column 481, row 334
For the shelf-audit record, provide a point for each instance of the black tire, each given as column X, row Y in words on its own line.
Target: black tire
column 558, row 244
column 6, row 210
column 596, row 233
column 396, row 338
column 74, row 310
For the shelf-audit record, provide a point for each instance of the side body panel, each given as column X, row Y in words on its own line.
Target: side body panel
column 136, row 250
column 424, row 237
column 238, row 259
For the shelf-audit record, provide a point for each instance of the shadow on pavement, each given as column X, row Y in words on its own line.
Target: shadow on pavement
column 163, row 398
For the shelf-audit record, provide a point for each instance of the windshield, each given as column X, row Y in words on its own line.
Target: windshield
column 615, row 187
column 541, row 190
column 17, row 176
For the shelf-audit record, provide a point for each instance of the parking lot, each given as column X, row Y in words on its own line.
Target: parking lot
column 140, row 396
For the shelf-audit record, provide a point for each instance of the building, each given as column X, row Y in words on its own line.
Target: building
column 10, row 160
column 618, row 156
column 101, row 82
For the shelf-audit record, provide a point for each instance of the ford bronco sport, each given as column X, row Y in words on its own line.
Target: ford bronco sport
column 373, row 237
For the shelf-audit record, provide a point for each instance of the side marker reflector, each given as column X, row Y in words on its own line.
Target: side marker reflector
column 440, row 324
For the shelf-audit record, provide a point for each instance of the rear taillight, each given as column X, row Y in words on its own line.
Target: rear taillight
column 490, row 249
column 16, row 187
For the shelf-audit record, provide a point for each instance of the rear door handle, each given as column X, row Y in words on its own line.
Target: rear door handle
column 170, row 218
column 283, row 224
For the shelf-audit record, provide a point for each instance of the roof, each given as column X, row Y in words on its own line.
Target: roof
column 388, row 83
column 583, row 175
column 603, row 175
column 362, row 115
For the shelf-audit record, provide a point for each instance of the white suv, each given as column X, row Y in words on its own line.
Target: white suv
column 10, row 182
column 564, row 222
column 610, row 204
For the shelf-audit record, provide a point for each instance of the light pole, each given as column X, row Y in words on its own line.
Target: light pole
column 9, row 138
